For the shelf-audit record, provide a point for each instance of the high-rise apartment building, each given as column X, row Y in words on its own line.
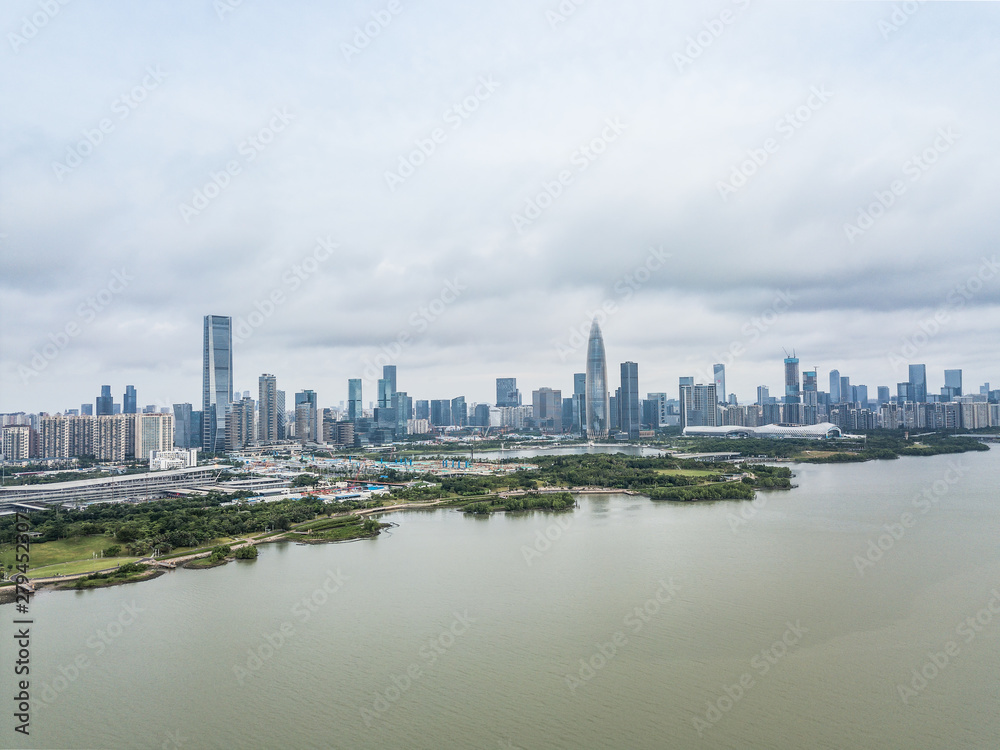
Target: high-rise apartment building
column 307, row 426
column 699, row 404
column 217, row 380
column 153, row 432
column 240, row 424
column 267, row 409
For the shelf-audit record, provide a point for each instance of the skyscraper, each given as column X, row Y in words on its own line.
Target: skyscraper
column 282, row 421
column 354, row 407
column 105, row 402
column 793, row 397
column 507, row 393
column 128, row 401
column 918, row 378
column 307, row 426
column 267, row 406
column 459, row 412
column 579, row 402
column 699, row 404
column 810, row 397
column 628, row 406
column 719, row 373
column 389, row 374
column 598, row 408
column 952, row 384
column 217, row 380
column 182, row 426
column 835, row 395
column 546, row 409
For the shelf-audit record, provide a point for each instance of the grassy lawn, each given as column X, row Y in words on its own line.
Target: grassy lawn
column 59, row 551
column 81, row 566
column 688, row 472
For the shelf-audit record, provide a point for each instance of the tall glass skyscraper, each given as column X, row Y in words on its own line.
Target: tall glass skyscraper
column 128, row 402
column 719, row 375
column 217, row 381
column 918, row 377
column 507, row 393
column 628, row 406
column 598, row 408
column 105, row 402
column 354, row 407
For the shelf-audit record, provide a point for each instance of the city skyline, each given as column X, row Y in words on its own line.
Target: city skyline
column 217, row 342
column 324, row 265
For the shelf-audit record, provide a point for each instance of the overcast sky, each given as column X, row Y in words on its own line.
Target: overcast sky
column 708, row 161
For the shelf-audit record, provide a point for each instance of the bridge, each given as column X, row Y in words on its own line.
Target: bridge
column 983, row 437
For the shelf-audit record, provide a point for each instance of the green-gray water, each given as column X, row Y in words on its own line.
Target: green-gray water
column 489, row 621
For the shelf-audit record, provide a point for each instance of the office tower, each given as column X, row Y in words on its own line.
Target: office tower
column 267, row 406
column 116, row 408
column 883, row 394
column 793, row 392
column 423, row 409
column 152, row 432
column 660, row 402
column 952, row 385
column 354, row 408
column 384, row 394
column 613, row 413
column 507, row 393
column 546, row 409
column 389, row 374
column 845, row 389
column 699, row 404
column 307, row 426
column 441, row 412
column 763, row 395
column 984, row 389
column 579, row 402
column 810, row 397
column 87, row 409
column 282, row 421
column 105, row 402
column 719, row 373
column 402, row 407
column 598, row 406
column 628, row 406
column 905, row 392
column 482, row 413
column 918, row 378
column 860, row 395
column 182, row 426
column 128, row 400
column 835, row 395
column 459, row 412
column 567, row 412
column 217, row 380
